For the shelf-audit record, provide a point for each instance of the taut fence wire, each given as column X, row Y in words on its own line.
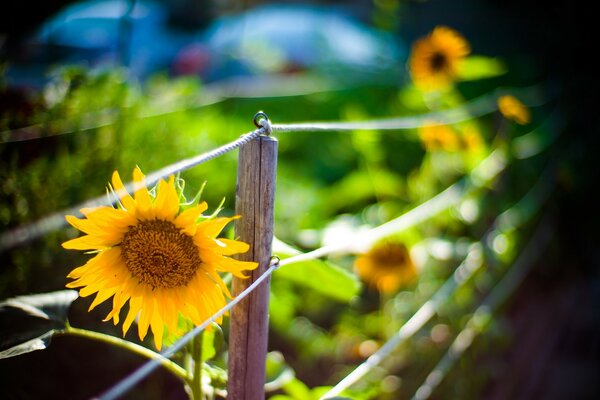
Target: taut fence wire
column 485, row 172
column 536, row 196
column 434, row 206
column 490, row 168
column 483, row 105
column 52, row 222
column 56, row 220
column 477, row 323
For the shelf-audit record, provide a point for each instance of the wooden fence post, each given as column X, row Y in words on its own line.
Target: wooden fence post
column 248, row 336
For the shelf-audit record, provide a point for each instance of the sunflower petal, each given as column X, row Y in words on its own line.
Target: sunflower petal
column 102, row 296
column 214, row 226
column 230, row 247
column 111, row 236
column 157, row 326
column 135, row 305
column 142, row 197
column 146, row 315
column 87, row 242
column 186, row 221
column 235, row 267
column 167, row 201
column 109, row 218
column 120, row 191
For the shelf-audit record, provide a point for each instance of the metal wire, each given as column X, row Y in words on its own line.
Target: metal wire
column 499, row 294
column 485, row 172
column 462, row 274
column 437, row 204
column 488, row 170
column 476, row 108
column 538, row 194
column 56, row 220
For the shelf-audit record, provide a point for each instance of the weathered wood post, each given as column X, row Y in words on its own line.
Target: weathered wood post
column 248, row 336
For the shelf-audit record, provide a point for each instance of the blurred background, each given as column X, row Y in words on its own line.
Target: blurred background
column 87, row 87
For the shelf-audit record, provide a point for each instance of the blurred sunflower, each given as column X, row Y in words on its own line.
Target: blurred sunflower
column 156, row 256
column 438, row 137
column 471, row 139
column 435, row 59
column 513, row 109
column 386, row 266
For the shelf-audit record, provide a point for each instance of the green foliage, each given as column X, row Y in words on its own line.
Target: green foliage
column 323, row 277
column 324, row 321
column 212, row 342
column 481, row 67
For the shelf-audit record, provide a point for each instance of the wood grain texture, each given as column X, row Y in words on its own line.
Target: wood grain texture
column 248, row 337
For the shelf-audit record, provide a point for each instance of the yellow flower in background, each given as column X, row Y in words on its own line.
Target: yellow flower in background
column 387, row 266
column 439, row 137
column 156, row 256
column 435, row 59
column 471, row 139
column 513, row 109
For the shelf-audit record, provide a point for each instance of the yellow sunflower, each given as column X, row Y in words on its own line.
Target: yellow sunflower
column 439, row 137
column 435, row 59
column 513, row 109
column 163, row 260
column 471, row 139
column 387, row 266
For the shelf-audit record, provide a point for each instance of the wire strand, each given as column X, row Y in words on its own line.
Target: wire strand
column 478, row 107
column 475, row 108
column 484, row 173
column 54, row 221
column 538, row 194
column 25, row 233
column 499, row 294
column 409, row 219
column 464, row 271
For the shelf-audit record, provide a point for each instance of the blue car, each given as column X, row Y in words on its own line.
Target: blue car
column 280, row 38
column 271, row 39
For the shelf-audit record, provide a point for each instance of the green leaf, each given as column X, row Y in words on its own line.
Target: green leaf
column 28, row 322
column 212, row 341
column 319, row 391
column 321, row 276
column 480, row 67
column 297, row 389
column 184, row 325
column 277, row 371
column 218, row 376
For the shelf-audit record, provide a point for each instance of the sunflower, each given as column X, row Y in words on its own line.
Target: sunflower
column 513, row 109
column 471, row 139
column 439, row 137
column 387, row 266
column 163, row 260
column 435, row 59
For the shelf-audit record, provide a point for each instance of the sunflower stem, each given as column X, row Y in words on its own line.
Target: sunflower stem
column 196, row 349
column 169, row 365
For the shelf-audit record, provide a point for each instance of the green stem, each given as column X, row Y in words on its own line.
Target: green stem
column 171, row 366
column 197, row 363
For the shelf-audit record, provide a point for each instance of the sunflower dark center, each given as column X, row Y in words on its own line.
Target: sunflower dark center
column 159, row 255
column 439, row 62
column 390, row 256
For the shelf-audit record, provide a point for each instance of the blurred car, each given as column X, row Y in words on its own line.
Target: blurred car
column 105, row 33
column 268, row 39
column 282, row 38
